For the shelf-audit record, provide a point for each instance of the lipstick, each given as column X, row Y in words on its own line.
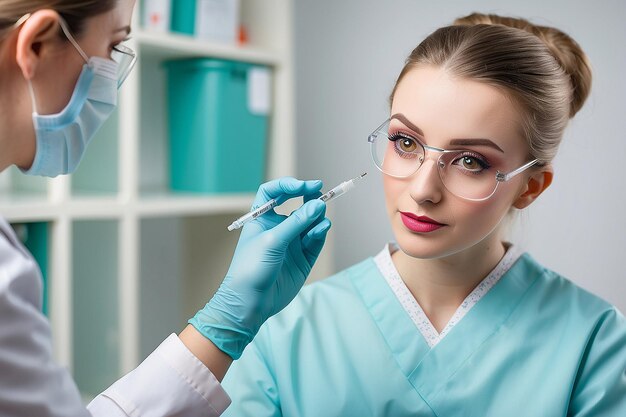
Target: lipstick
column 419, row 224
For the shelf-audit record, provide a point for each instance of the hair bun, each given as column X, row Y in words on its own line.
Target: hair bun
column 566, row 50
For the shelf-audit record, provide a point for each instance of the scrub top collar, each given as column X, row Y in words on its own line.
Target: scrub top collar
column 413, row 309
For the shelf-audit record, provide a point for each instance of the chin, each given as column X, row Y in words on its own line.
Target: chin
column 420, row 246
column 434, row 245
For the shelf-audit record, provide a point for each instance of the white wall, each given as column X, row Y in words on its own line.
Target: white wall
column 348, row 54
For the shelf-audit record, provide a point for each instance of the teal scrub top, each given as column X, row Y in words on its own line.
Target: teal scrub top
column 534, row 345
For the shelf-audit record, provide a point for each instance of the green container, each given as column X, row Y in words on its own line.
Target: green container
column 217, row 145
column 34, row 236
column 183, row 16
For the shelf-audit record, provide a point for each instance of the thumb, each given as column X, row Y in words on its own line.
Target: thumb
column 299, row 221
column 313, row 241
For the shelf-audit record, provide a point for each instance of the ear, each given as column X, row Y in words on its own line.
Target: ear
column 534, row 186
column 38, row 31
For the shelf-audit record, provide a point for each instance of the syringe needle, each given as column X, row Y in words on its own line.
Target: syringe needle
column 339, row 190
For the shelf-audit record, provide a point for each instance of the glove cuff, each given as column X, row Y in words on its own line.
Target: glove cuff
column 228, row 339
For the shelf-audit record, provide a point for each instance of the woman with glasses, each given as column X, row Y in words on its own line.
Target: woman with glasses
column 451, row 319
column 62, row 63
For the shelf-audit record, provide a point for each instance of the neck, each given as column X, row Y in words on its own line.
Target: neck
column 441, row 285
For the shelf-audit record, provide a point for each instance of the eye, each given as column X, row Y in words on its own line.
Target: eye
column 115, row 46
column 473, row 163
column 405, row 146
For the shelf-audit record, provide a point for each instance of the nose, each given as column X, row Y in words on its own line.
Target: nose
column 426, row 184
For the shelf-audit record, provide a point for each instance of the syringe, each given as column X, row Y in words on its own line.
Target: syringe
column 339, row 190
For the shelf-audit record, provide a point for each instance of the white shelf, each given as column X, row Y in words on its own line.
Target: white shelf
column 18, row 209
column 156, row 256
column 171, row 46
column 189, row 204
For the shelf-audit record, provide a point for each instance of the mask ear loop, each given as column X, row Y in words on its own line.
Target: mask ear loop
column 69, row 36
column 32, row 96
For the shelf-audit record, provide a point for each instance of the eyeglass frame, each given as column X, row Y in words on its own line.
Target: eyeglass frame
column 120, row 48
column 500, row 176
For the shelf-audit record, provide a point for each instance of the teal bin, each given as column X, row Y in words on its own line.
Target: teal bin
column 34, row 236
column 217, row 145
column 183, row 16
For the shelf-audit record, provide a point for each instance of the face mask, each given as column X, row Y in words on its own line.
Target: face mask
column 63, row 137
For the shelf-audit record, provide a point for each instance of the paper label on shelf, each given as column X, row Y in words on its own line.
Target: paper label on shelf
column 217, row 20
column 156, row 15
column 259, row 94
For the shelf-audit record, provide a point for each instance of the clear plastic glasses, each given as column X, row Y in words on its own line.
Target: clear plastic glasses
column 125, row 58
column 466, row 174
column 121, row 54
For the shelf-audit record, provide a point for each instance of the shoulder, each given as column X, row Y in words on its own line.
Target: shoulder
column 556, row 293
column 339, row 285
column 19, row 273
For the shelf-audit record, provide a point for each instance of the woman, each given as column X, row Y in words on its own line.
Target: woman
column 453, row 320
column 61, row 64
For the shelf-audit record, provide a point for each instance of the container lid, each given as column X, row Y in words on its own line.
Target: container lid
column 205, row 64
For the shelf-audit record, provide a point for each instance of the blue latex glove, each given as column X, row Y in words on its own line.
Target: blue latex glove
column 272, row 260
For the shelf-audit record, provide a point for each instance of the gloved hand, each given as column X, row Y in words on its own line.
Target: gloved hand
column 273, row 257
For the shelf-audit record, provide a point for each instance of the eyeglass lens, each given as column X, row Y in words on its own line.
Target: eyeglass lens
column 125, row 58
column 463, row 173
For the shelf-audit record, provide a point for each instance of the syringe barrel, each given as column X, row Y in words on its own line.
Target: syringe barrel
column 339, row 190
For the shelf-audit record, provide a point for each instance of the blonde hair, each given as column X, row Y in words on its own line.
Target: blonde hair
column 74, row 12
column 541, row 68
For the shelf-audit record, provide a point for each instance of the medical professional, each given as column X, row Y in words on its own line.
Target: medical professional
column 62, row 62
column 451, row 319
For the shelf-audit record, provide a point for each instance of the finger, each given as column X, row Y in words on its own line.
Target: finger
column 314, row 240
column 261, row 224
column 298, row 221
column 309, row 197
column 282, row 189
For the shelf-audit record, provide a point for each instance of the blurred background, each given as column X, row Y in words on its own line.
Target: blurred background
column 227, row 94
column 348, row 55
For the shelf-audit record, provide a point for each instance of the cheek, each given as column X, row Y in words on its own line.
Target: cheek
column 480, row 218
column 57, row 84
column 394, row 189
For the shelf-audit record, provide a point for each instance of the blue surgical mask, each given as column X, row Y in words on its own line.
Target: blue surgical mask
column 62, row 138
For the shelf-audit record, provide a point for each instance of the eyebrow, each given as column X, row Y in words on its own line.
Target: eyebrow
column 464, row 142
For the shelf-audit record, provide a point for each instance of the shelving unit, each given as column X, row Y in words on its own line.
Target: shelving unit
column 122, row 249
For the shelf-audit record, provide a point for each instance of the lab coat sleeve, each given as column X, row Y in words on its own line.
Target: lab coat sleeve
column 31, row 383
column 170, row 382
column 250, row 382
column 600, row 387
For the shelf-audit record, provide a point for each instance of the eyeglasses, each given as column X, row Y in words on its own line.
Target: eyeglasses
column 465, row 173
column 121, row 54
column 125, row 58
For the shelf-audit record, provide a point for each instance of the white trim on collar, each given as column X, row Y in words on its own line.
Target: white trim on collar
column 411, row 306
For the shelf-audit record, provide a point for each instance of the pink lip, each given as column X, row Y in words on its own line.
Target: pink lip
column 419, row 224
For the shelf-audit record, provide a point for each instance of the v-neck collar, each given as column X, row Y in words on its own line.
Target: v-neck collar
column 411, row 305
column 428, row 369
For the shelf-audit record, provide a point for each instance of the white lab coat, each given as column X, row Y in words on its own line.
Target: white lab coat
column 170, row 382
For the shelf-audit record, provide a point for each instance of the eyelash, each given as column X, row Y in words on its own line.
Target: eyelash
column 401, row 136
column 484, row 165
column 481, row 160
column 114, row 46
